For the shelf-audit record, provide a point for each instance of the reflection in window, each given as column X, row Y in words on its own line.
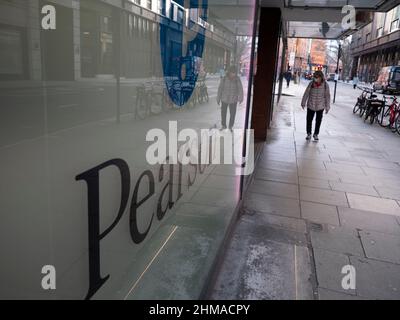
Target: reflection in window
column 11, row 53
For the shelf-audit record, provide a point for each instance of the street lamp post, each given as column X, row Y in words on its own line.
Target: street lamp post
column 337, row 71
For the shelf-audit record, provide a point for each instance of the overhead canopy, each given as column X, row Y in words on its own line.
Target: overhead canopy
column 321, row 19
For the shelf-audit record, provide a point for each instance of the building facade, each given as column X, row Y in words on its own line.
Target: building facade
column 98, row 36
column 376, row 45
column 307, row 55
column 69, row 103
column 299, row 50
column 318, row 55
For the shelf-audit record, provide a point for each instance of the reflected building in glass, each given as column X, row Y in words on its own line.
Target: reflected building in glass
column 77, row 103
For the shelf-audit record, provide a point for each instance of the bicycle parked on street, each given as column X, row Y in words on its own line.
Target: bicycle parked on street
column 368, row 105
column 361, row 101
column 378, row 110
column 153, row 97
column 374, row 107
column 390, row 114
column 202, row 91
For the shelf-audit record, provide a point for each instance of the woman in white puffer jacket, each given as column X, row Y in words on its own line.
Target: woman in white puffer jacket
column 317, row 98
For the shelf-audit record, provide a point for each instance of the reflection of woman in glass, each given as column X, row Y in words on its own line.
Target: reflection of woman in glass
column 230, row 93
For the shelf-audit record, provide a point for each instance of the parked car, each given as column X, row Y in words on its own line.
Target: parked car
column 388, row 80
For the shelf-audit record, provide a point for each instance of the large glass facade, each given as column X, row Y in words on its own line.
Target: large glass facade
column 77, row 103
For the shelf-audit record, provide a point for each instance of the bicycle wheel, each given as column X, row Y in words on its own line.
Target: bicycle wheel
column 384, row 117
column 366, row 113
column 373, row 116
column 167, row 104
column 356, row 107
column 200, row 96
column 397, row 124
column 192, row 101
column 142, row 106
column 363, row 109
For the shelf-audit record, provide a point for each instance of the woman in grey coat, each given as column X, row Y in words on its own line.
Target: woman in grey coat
column 230, row 93
column 317, row 98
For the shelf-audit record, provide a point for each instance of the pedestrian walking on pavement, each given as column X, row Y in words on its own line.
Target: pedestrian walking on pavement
column 317, row 98
column 230, row 93
column 288, row 77
column 355, row 82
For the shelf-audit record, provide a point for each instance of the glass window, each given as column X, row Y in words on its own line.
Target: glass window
column 140, row 27
column 395, row 19
column 161, row 7
column 105, row 24
column 379, row 32
column 180, row 16
column 395, row 25
column 78, row 189
column 396, row 75
column 130, row 25
column 11, row 61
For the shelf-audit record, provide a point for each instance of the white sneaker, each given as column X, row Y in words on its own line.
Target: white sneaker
column 308, row 137
column 316, row 137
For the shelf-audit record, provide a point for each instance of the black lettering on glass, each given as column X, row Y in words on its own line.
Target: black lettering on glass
column 91, row 177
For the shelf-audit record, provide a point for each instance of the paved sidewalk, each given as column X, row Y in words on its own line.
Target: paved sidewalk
column 314, row 208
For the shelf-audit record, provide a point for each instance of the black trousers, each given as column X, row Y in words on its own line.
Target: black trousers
column 310, row 118
column 232, row 114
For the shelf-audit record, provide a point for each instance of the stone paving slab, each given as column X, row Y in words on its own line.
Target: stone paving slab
column 273, row 188
column 380, row 246
column 334, row 198
column 381, row 173
column 314, row 183
column 364, row 220
column 315, row 165
column 353, row 188
column 343, row 168
column 277, row 165
column 278, row 176
column 338, row 240
column 329, row 295
column 381, row 164
column 389, row 192
column 329, row 266
column 319, row 213
column 279, row 222
column 272, row 204
column 374, row 204
column 319, row 174
column 261, row 267
column 376, row 279
column 349, row 160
